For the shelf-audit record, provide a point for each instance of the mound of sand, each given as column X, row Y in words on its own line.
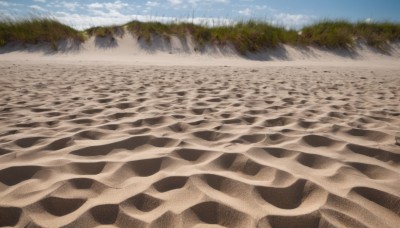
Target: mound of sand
column 128, row 49
column 136, row 146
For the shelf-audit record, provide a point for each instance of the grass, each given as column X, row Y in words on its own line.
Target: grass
column 33, row 31
column 342, row 34
column 147, row 30
column 103, row 31
column 249, row 36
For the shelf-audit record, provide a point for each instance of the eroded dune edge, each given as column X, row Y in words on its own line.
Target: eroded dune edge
column 137, row 146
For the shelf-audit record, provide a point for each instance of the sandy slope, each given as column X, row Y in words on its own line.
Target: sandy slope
column 131, row 146
column 128, row 50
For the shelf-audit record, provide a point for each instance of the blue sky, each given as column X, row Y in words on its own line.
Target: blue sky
column 289, row 13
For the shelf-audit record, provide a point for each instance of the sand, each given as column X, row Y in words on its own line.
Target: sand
column 221, row 143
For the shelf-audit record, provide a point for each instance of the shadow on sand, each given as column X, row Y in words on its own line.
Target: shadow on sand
column 183, row 45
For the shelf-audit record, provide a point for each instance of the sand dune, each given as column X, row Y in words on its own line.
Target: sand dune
column 178, row 146
column 129, row 50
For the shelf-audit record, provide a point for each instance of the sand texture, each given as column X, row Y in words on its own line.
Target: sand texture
column 169, row 146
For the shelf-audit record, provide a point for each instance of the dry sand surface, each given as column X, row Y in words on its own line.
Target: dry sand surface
column 192, row 146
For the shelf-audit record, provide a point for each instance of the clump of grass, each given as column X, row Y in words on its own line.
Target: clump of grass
column 378, row 34
column 342, row 34
column 103, row 31
column 245, row 37
column 329, row 34
column 251, row 36
column 33, row 31
column 147, row 30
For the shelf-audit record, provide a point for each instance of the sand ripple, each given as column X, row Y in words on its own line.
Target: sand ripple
column 129, row 146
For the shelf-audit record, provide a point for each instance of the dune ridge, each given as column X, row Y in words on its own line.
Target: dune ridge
column 126, row 48
column 178, row 146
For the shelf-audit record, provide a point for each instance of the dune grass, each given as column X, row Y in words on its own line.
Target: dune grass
column 255, row 36
column 250, row 36
column 245, row 37
column 342, row 34
column 104, row 31
column 33, row 31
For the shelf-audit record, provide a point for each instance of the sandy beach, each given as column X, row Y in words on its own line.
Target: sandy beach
column 282, row 144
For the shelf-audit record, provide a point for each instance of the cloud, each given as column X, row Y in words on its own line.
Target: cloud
column 36, row 7
column 106, row 10
column 246, row 12
column 265, row 7
column 95, row 5
column 196, row 2
column 106, row 7
column 152, row 3
column 292, row 20
column 175, row 2
column 42, row 1
column 7, row 4
column 81, row 22
column 276, row 17
column 115, row 5
column 71, row 6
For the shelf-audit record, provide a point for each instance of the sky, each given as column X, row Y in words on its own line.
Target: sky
column 287, row 13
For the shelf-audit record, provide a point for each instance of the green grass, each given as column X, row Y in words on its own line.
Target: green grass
column 250, row 36
column 342, row 34
column 102, row 31
column 147, row 30
column 245, row 37
column 33, row 31
column 255, row 36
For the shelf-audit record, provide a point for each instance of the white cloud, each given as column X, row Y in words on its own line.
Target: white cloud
column 265, row 7
column 36, row 7
column 175, row 2
column 5, row 4
column 276, row 17
column 95, row 5
column 42, row 1
column 66, row 5
column 114, row 5
column 152, row 3
column 245, row 12
column 71, row 5
column 81, row 22
column 195, row 2
column 106, row 10
column 111, row 7
column 292, row 20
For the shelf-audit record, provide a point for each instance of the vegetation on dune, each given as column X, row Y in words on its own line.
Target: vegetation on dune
column 146, row 30
column 33, row 31
column 249, row 36
column 329, row 34
column 342, row 34
column 378, row 34
column 103, row 31
column 254, row 36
